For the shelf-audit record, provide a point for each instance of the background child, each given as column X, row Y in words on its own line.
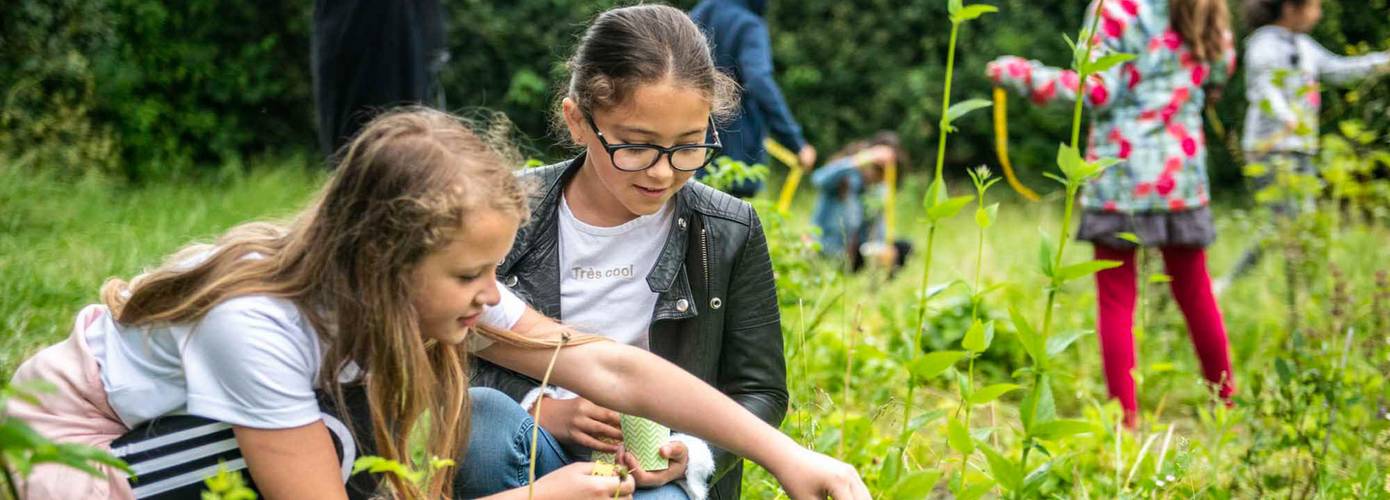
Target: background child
column 848, row 207
column 1148, row 114
column 1285, row 69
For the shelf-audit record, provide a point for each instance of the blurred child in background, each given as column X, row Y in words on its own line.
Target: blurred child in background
column 849, row 203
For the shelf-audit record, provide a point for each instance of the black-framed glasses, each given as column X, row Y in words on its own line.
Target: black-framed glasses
column 639, row 157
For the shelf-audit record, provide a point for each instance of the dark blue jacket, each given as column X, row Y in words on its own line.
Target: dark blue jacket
column 743, row 49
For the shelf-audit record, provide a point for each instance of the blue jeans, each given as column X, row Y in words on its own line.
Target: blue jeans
column 499, row 450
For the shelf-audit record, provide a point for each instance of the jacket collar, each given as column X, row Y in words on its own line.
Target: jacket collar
column 666, row 278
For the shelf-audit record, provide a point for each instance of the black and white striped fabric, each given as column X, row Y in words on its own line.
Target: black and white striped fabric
column 172, row 456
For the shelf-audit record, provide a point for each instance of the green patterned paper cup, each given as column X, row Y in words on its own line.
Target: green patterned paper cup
column 604, row 457
column 644, row 439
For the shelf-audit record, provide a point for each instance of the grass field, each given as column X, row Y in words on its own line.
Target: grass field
column 1309, row 418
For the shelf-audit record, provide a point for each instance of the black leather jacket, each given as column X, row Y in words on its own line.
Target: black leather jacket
column 716, row 315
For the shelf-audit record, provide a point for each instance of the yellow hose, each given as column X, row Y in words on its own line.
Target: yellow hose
column 1001, row 143
column 890, row 201
column 788, row 158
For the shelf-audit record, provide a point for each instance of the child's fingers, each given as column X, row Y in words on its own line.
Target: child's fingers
column 600, row 430
column 635, row 469
column 674, row 450
column 604, row 415
column 590, row 442
column 627, row 487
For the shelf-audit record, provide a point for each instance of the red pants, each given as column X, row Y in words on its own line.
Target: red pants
column 1191, row 286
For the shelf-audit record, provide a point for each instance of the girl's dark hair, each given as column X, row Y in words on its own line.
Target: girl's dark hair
column 1259, row 13
column 631, row 46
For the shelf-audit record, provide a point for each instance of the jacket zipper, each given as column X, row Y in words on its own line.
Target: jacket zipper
column 704, row 257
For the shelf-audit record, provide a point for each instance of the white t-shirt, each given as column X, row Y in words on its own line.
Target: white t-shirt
column 603, row 274
column 252, row 361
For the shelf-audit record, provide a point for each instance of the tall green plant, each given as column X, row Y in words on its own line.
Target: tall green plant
column 1037, row 412
column 939, row 206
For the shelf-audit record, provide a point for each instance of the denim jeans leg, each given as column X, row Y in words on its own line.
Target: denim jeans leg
column 669, row 491
column 499, row 447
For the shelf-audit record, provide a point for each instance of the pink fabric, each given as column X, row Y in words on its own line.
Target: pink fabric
column 77, row 412
column 1191, row 286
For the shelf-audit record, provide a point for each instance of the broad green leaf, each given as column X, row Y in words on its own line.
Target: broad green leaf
column 978, row 337
column 916, row 485
column 934, row 363
column 1381, row 157
column 954, row 6
column 958, row 437
column 1084, row 269
column 1069, row 162
column 923, row 419
column 985, row 216
column 976, row 489
column 935, row 195
column 1094, row 168
column 892, row 466
column 1035, row 478
column 934, row 290
column 1351, row 128
column 1104, row 63
column 972, row 12
column 991, row 392
column 16, row 434
column 1045, row 256
column 81, row 457
column 960, row 109
column 982, row 433
column 1061, row 429
column 1059, row 343
column 828, row 439
column 1031, row 340
column 1005, row 471
column 1285, row 370
column 949, row 208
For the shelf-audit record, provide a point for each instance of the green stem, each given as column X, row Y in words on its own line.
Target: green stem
column 931, row 237
column 1023, row 461
column 979, row 263
column 917, row 334
column 946, row 100
column 9, row 479
column 844, row 403
column 1057, row 261
column 1073, row 185
column 1083, row 74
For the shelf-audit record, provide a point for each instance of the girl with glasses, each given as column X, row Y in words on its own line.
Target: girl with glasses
column 623, row 243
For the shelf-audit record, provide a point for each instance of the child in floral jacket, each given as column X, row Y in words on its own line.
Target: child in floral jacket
column 1148, row 113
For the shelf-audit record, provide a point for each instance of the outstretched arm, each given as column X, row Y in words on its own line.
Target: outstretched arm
column 1119, row 31
column 634, row 381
